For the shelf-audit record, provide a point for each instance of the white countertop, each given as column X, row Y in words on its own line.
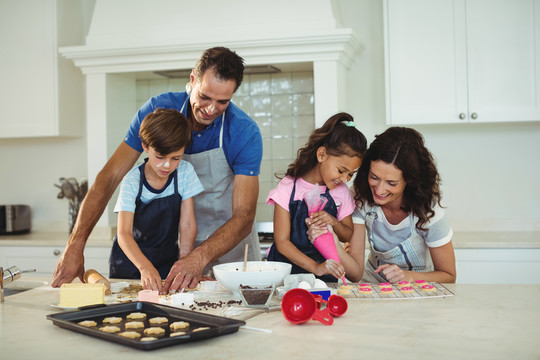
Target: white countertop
column 479, row 322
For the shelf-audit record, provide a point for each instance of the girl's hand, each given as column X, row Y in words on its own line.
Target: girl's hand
column 323, row 219
column 391, row 272
column 330, row 267
column 151, row 280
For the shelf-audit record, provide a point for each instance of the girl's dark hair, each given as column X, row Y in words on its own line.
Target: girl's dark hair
column 166, row 130
column 404, row 148
column 338, row 135
column 225, row 64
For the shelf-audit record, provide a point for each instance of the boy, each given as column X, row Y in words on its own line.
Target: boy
column 155, row 204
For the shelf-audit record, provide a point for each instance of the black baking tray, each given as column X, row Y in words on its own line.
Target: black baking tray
column 217, row 325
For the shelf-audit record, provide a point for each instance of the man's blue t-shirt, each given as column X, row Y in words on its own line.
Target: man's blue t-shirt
column 242, row 141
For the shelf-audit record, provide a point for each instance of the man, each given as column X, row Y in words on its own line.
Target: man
column 226, row 152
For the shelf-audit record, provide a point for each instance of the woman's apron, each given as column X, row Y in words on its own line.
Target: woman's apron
column 213, row 207
column 412, row 254
column 155, row 230
column 298, row 211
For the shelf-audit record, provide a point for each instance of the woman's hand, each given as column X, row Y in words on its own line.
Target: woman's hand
column 391, row 272
column 330, row 267
column 315, row 231
column 151, row 280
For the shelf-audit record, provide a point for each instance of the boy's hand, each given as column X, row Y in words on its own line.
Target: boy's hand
column 151, row 280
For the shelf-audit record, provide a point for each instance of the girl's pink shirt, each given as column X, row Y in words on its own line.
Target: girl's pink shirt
column 282, row 194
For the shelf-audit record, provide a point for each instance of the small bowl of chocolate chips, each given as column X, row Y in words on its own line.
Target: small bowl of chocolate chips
column 256, row 295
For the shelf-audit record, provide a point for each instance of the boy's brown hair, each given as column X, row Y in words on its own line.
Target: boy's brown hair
column 166, row 130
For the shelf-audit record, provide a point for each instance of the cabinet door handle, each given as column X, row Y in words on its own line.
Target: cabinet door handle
column 462, row 116
column 56, row 252
column 474, row 116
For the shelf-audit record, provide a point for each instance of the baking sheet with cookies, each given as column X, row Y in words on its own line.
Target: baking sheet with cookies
column 439, row 290
column 177, row 326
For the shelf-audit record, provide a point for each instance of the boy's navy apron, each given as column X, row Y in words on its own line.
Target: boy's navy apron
column 298, row 211
column 155, row 229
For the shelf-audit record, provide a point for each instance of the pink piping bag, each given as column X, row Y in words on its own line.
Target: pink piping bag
column 315, row 201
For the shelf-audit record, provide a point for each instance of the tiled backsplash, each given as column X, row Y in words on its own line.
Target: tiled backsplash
column 282, row 104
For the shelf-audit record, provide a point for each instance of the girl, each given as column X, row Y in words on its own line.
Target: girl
column 398, row 194
column 155, row 203
column 330, row 158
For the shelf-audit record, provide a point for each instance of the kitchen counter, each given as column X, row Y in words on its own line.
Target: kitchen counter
column 479, row 322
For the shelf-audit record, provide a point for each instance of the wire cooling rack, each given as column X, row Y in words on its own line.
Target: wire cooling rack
column 418, row 293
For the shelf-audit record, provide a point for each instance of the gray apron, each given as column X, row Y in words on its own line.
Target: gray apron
column 213, row 207
column 411, row 254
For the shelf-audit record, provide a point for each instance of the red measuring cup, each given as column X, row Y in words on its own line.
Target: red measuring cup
column 337, row 305
column 299, row 305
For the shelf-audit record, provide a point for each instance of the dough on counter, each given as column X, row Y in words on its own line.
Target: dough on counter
column 130, row 334
column 110, row 329
column 87, row 323
column 112, row 320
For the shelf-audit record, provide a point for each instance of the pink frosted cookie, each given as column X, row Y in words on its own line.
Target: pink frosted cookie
column 428, row 288
column 364, row 285
column 407, row 289
column 365, row 290
column 387, row 290
column 384, row 285
column 420, row 282
column 403, row 283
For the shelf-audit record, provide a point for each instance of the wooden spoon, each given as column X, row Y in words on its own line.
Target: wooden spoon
column 245, row 256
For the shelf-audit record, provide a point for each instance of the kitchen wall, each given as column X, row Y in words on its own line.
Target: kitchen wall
column 489, row 171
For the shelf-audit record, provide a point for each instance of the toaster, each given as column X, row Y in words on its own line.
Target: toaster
column 15, row 219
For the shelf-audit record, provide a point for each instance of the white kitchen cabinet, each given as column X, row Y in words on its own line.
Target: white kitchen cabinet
column 41, row 93
column 458, row 61
column 44, row 258
column 498, row 266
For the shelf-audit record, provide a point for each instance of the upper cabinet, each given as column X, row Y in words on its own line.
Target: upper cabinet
column 41, row 93
column 456, row 61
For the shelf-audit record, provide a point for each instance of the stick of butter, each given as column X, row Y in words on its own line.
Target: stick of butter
column 77, row 295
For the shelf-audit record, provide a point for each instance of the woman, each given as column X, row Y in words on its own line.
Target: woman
column 398, row 202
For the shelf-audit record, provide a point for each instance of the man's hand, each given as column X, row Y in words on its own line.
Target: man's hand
column 185, row 273
column 68, row 267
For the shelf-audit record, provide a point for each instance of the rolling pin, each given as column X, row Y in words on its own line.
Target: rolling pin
column 91, row 276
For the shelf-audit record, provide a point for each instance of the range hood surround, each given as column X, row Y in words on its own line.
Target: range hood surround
column 331, row 50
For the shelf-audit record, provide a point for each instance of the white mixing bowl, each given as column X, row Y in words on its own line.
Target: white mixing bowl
column 231, row 275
